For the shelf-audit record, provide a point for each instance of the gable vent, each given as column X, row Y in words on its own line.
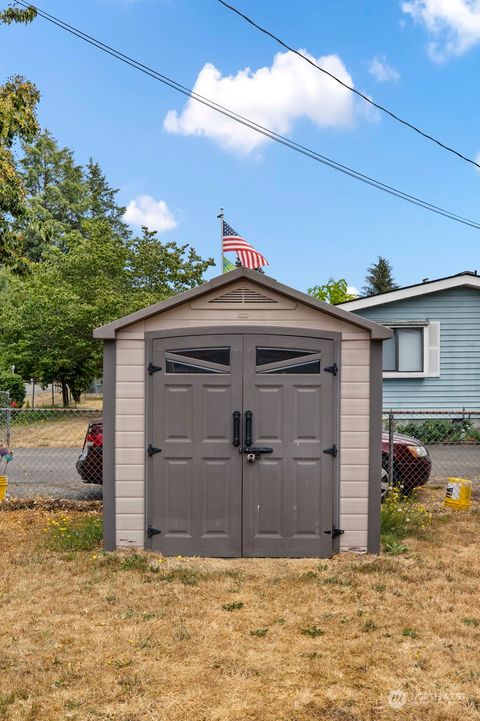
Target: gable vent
column 242, row 295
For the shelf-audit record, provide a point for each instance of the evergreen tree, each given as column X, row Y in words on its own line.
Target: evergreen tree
column 56, row 196
column 379, row 278
column 101, row 200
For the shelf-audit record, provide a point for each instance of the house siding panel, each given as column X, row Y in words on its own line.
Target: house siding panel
column 458, row 386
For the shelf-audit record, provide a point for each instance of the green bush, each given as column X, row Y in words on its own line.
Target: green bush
column 441, row 430
column 13, row 384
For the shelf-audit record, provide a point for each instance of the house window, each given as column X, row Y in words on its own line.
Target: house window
column 404, row 352
column 413, row 351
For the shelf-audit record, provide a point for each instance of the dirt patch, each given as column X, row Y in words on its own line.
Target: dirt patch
column 133, row 637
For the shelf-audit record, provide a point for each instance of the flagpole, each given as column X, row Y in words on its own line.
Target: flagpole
column 220, row 217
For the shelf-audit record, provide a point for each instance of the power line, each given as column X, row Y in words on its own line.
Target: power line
column 347, row 86
column 287, row 142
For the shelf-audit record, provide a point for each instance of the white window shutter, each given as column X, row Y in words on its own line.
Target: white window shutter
column 433, row 349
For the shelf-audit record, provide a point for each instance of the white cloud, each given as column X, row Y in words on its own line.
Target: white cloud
column 454, row 24
column 382, row 71
column 274, row 97
column 351, row 290
column 155, row 214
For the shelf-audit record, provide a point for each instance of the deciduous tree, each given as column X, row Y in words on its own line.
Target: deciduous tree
column 334, row 291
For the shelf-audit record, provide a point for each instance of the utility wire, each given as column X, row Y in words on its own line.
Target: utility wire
column 292, row 145
column 347, row 86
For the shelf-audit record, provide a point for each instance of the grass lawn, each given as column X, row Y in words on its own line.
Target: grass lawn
column 133, row 637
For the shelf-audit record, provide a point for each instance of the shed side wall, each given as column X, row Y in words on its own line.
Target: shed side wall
column 354, row 423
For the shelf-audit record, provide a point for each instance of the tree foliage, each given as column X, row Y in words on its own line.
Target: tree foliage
column 48, row 316
column 18, row 102
column 379, row 278
column 13, row 384
column 14, row 14
column 334, row 291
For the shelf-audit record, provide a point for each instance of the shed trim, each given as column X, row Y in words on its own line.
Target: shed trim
column 375, row 455
column 470, row 280
column 109, row 378
column 109, row 330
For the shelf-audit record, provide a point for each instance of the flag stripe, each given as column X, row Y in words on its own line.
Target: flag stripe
column 248, row 255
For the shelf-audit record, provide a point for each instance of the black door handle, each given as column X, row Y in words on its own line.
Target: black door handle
column 236, row 428
column 248, row 428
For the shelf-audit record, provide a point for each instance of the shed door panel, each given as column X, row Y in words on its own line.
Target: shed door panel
column 287, row 494
column 195, row 493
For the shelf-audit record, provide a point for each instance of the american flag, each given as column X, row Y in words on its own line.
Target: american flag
column 249, row 257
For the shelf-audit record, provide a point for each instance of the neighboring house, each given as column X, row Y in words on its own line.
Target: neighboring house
column 433, row 359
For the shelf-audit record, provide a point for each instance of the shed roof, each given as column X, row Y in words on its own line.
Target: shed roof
column 377, row 331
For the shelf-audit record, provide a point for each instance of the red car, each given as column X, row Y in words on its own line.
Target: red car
column 411, row 461
column 90, row 461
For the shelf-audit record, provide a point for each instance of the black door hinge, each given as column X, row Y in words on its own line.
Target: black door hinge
column 151, row 531
column 153, row 368
column 335, row 532
column 331, row 451
column 332, row 369
column 151, row 450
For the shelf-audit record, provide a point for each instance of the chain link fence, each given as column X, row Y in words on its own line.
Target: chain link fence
column 54, row 447
column 430, row 445
column 57, row 447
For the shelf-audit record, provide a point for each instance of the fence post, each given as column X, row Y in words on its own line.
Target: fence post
column 391, row 422
column 8, row 422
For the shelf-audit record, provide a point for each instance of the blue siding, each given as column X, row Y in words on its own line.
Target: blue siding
column 458, row 386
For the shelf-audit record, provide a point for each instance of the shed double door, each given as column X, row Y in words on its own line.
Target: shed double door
column 239, row 426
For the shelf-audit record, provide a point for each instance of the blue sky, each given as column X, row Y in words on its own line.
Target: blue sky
column 309, row 221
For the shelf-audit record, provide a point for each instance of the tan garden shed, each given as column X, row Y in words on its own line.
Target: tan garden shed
column 242, row 418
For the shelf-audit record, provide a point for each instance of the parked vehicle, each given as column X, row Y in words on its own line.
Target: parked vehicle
column 90, row 462
column 411, row 461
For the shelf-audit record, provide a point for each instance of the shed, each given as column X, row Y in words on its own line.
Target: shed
column 242, row 418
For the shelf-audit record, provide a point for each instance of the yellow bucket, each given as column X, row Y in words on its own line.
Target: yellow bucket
column 3, row 487
column 459, row 494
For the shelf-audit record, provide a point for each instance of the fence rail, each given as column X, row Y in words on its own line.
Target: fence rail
column 444, row 443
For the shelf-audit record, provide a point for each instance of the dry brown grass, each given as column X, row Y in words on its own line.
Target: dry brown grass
column 68, row 433
column 83, row 637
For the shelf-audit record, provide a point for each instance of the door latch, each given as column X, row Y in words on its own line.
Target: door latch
column 335, row 532
column 253, row 453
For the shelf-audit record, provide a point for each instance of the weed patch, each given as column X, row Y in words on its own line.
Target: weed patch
column 402, row 516
column 234, row 606
column 312, row 631
column 65, row 533
column 260, row 632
